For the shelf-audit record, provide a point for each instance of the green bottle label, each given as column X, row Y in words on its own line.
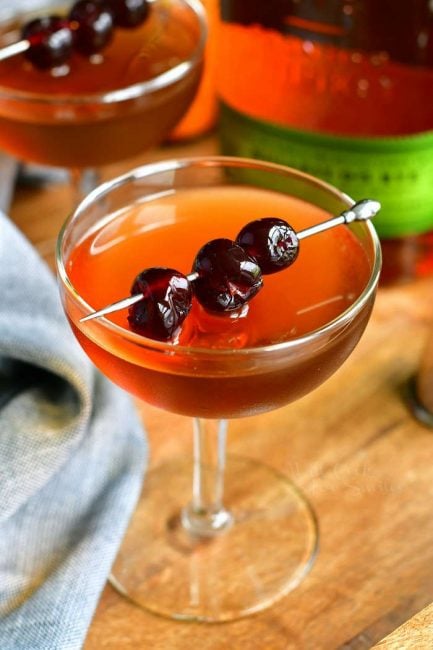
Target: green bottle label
column 396, row 171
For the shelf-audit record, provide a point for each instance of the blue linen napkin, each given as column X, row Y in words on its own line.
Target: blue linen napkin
column 72, row 456
column 10, row 8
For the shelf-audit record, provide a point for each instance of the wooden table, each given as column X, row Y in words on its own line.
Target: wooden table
column 416, row 634
column 353, row 447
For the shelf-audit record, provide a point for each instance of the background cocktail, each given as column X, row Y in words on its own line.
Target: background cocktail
column 108, row 107
column 216, row 559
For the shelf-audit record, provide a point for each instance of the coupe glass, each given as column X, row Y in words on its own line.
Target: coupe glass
column 243, row 535
column 84, row 131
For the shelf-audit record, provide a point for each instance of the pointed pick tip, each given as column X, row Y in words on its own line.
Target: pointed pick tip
column 115, row 306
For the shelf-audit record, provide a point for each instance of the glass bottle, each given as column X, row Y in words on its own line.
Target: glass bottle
column 342, row 89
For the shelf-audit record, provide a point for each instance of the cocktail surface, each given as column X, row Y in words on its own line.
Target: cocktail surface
column 331, row 271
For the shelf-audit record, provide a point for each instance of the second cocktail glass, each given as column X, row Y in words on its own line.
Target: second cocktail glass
column 245, row 535
column 105, row 108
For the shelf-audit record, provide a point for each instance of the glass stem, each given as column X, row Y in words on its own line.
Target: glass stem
column 206, row 515
column 83, row 181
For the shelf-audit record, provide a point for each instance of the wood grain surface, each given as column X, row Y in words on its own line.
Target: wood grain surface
column 353, row 447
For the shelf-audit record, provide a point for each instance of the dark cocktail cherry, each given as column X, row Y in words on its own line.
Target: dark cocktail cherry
column 166, row 302
column 227, row 277
column 129, row 13
column 92, row 25
column 271, row 242
column 50, row 41
column 88, row 29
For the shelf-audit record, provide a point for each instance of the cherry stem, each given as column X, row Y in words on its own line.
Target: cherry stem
column 360, row 211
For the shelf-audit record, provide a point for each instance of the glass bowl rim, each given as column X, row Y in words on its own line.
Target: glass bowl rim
column 151, row 169
column 134, row 91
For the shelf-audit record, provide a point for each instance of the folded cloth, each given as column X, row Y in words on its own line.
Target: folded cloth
column 72, row 457
column 9, row 8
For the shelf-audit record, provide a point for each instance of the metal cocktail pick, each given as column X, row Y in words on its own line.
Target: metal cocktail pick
column 15, row 48
column 360, row 211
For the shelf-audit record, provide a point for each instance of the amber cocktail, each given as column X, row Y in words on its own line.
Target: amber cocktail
column 223, row 555
column 97, row 109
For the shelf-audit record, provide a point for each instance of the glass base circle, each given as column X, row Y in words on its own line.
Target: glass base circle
column 265, row 553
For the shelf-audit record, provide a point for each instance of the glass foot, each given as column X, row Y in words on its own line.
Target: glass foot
column 265, row 552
